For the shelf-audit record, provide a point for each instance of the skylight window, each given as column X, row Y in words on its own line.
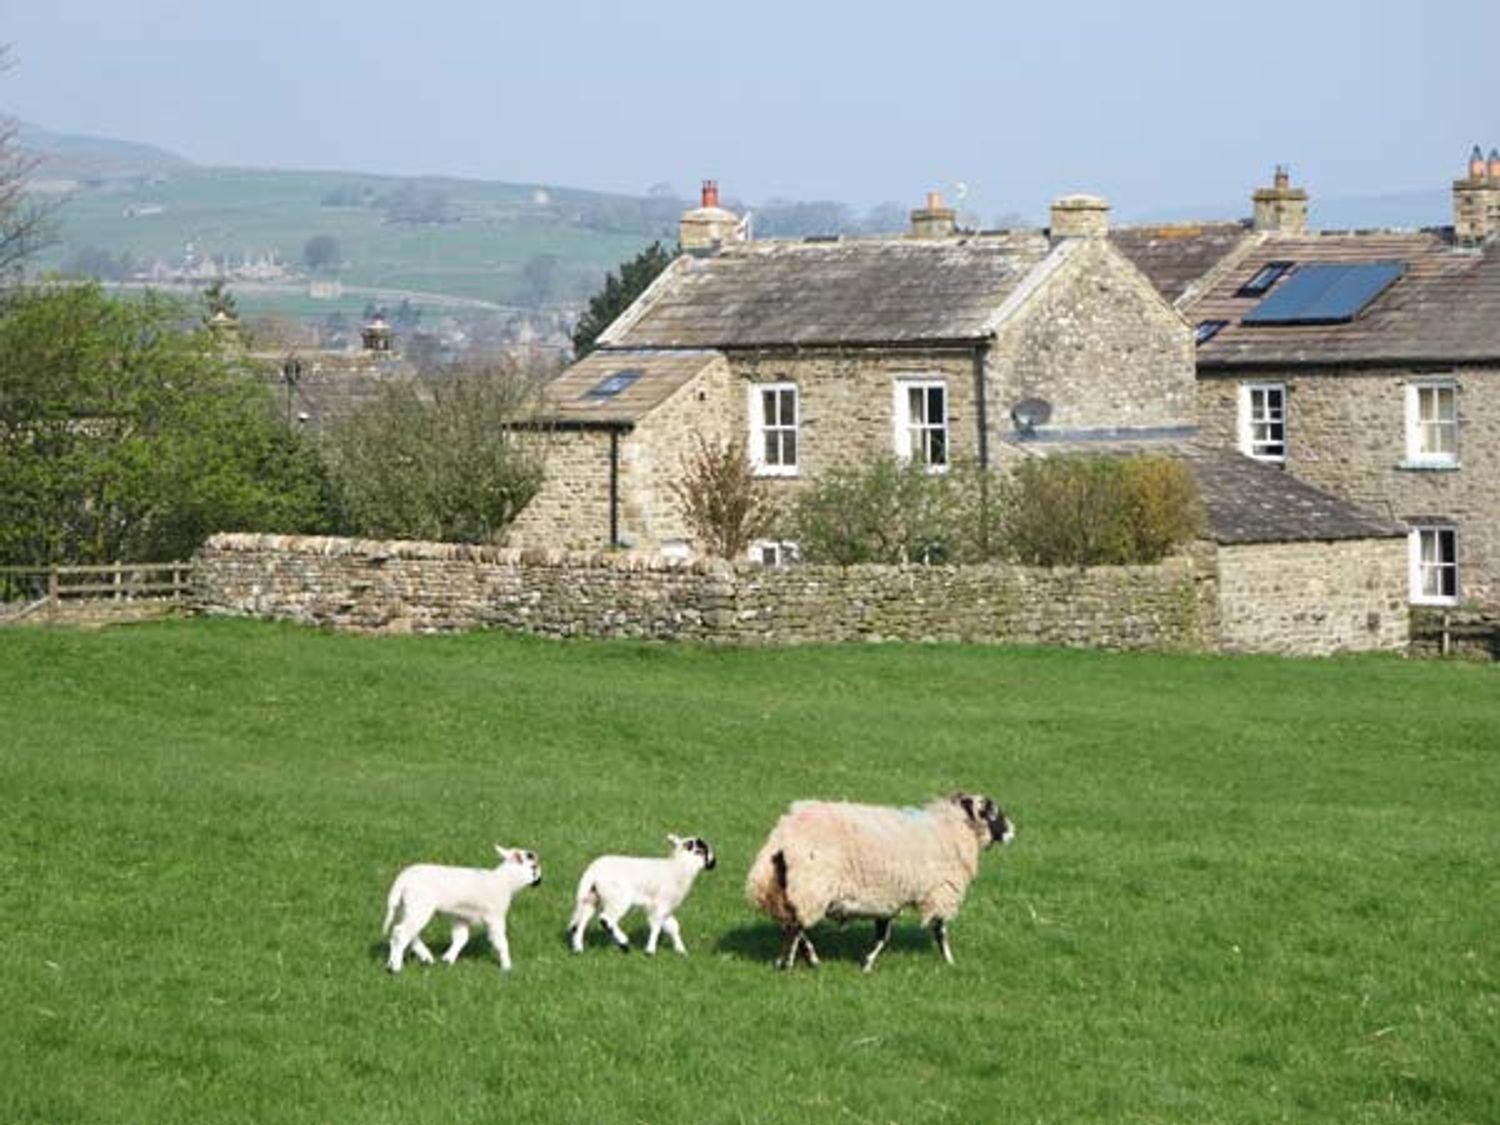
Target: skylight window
column 1326, row 293
column 613, row 383
column 1265, row 277
column 1208, row 329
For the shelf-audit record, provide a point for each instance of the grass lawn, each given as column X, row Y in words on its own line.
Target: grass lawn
column 1243, row 890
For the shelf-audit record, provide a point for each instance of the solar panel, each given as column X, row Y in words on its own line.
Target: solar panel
column 613, row 383
column 1326, row 293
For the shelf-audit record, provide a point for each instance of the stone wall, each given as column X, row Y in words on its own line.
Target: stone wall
column 1096, row 341
column 421, row 587
column 1313, row 598
column 1310, row 598
column 571, row 510
column 1346, row 432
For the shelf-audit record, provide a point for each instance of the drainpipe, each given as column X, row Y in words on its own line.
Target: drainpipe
column 980, row 416
column 614, row 489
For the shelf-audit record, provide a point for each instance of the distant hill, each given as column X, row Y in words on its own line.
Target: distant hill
column 71, row 156
column 138, row 213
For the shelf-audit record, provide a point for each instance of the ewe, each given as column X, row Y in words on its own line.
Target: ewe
column 471, row 895
column 613, row 884
column 837, row 860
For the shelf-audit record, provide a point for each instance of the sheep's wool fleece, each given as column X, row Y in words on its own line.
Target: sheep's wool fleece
column 846, row 861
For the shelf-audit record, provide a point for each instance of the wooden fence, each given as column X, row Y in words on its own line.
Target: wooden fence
column 25, row 590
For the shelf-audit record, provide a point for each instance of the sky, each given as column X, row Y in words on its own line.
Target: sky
column 1157, row 104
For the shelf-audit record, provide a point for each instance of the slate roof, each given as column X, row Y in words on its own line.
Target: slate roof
column 854, row 291
column 1175, row 256
column 1246, row 501
column 567, row 399
column 1445, row 308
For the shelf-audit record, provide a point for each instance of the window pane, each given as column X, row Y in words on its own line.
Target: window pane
column 914, row 406
column 789, row 447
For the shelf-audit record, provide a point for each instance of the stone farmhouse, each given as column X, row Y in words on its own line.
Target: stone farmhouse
column 1366, row 363
column 937, row 345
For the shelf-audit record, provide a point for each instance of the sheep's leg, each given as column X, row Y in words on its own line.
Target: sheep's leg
column 674, row 931
column 580, row 923
column 419, row 947
column 495, row 924
column 788, row 956
column 807, row 948
column 460, row 939
column 882, row 935
column 940, row 931
column 655, row 920
column 616, row 934
column 407, row 931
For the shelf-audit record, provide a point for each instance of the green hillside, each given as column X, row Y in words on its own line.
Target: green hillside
column 499, row 243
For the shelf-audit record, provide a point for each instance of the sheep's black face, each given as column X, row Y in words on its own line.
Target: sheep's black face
column 982, row 810
column 700, row 847
column 1001, row 829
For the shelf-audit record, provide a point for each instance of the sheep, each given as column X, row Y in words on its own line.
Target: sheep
column 613, row 884
column 471, row 895
column 839, row 860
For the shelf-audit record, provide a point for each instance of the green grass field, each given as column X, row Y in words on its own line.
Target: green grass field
column 1243, row 890
column 234, row 211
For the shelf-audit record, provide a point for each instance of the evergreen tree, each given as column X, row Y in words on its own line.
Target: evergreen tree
column 618, row 294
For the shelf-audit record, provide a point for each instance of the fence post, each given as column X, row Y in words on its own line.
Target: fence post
column 52, row 583
column 1447, row 642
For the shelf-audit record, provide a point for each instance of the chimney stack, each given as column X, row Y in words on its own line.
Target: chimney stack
column 1280, row 207
column 934, row 220
column 1079, row 216
column 1476, row 200
column 708, row 227
column 1476, row 164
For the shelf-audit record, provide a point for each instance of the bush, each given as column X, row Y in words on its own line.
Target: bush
column 897, row 512
column 445, row 464
column 1097, row 511
column 725, row 506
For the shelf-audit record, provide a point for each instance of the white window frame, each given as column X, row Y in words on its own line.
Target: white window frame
column 907, row 432
column 761, row 429
column 1422, row 569
column 775, row 552
column 1419, row 430
column 1250, row 444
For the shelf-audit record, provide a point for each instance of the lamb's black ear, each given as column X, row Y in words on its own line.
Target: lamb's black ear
column 966, row 803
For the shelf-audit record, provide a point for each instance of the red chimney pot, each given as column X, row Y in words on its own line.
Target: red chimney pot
column 710, row 193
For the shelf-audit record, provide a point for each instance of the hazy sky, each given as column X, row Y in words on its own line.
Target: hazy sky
column 1155, row 104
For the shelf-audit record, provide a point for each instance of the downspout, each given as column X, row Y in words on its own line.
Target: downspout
column 980, row 410
column 614, row 489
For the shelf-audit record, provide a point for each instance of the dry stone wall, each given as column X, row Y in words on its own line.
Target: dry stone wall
column 426, row 587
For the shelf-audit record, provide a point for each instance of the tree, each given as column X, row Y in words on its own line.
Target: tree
column 125, row 437
column 724, row 503
column 322, row 252
column 618, row 294
column 441, row 461
column 24, row 226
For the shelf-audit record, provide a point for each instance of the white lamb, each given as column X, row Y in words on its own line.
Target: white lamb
column 613, row 884
column 471, row 895
column 827, row 859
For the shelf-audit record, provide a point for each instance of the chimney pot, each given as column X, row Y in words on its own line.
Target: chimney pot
column 934, row 200
column 1494, row 165
column 710, row 193
column 1282, row 179
column 1476, row 164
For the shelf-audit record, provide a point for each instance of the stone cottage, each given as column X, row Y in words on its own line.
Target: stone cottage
column 829, row 351
column 939, row 345
column 1366, row 363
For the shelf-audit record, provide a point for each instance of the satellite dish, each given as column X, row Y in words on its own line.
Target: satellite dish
column 1030, row 413
column 960, row 191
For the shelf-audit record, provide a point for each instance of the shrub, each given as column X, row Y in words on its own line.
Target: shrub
column 896, row 512
column 1092, row 511
column 725, row 506
column 441, row 463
